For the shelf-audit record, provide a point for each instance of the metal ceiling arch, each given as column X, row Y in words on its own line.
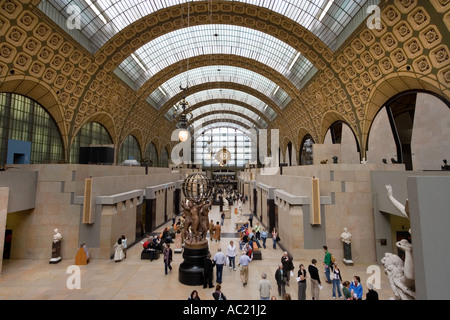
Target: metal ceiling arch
column 225, row 114
column 103, row 20
column 189, row 42
column 224, row 117
column 229, row 102
column 219, row 86
column 124, row 43
column 219, row 73
column 219, row 59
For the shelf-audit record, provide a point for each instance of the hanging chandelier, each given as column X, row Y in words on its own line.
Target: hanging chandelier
column 183, row 134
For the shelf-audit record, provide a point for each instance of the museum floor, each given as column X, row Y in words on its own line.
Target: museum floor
column 136, row 279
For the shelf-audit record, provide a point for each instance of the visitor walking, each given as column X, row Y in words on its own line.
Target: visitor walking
column 264, row 287
column 288, row 266
column 244, row 261
column 281, row 279
column 264, row 235
column 217, row 230
column 211, row 229
column 275, row 238
column 327, row 263
column 220, row 260
column 231, row 253
column 167, row 252
column 315, row 279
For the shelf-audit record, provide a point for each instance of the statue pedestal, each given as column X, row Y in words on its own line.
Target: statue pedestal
column 56, row 249
column 191, row 270
column 227, row 213
column 347, row 254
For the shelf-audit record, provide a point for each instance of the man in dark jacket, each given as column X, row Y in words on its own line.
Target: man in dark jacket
column 280, row 277
column 288, row 266
column 315, row 279
column 208, row 271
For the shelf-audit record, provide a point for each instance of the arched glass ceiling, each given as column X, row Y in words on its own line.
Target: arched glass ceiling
column 223, row 118
column 186, row 43
column 224, row 108
column 210, row 74
column 102, row 19
column 213, row 94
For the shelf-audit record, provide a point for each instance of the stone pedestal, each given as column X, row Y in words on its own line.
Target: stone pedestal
column 56, row 249
column 191, row 269
column 227, row 213
column 347, row 254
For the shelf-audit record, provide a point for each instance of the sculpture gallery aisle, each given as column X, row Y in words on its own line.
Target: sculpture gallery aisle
column 136, row 279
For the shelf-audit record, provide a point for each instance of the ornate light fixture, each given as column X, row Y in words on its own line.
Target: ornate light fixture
column 183, row 134
column 223, row 156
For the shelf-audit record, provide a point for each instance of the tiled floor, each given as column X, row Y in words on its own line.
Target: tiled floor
column 136, row 279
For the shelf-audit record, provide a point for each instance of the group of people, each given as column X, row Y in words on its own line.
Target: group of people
column 345, row 290
column 248, row 235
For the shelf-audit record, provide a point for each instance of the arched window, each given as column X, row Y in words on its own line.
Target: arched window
column 164, row 158
column 129, row 150
column 152, row 155
column 28, row 133
column 213, row 144
column 92, row 133
column 306, row 150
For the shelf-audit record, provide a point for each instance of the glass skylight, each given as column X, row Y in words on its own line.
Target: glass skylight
column 185, row 43
column 224, row 108
column 211, row 74
column 229, row 94
column 224, row 118
column 118, row 14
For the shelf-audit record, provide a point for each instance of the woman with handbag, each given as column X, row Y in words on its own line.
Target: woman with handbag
column 275, row 238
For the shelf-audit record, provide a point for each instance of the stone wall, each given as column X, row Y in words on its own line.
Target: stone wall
column 346, row 201
column 59, row 204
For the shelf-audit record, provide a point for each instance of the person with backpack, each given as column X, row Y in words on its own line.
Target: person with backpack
column 327, row 263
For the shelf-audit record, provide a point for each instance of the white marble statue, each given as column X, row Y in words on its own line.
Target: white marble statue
column 240, row 216
column 394, row 269
column 401, row 274
column 57, row 236
column 346, row 236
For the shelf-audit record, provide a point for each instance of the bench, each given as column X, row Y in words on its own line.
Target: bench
column 146, row 254
column 257, row 254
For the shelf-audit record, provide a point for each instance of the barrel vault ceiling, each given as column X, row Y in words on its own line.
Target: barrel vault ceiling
column 293, row 65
